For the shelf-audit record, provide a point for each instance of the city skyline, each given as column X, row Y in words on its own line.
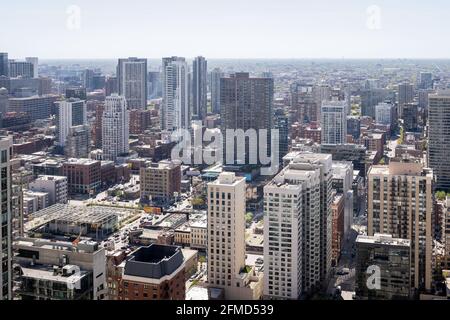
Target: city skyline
column 347, row 29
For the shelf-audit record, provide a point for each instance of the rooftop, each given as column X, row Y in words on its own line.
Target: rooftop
column 384, row 239
column 154, row 261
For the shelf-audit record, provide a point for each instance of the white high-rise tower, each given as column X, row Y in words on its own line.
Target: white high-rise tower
column 115, row 127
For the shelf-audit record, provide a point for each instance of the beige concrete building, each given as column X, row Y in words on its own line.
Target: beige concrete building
column 400, row 203
column 199, row 235
column 160, row 181
column 226, row 240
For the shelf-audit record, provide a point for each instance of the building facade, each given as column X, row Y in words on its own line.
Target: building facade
column 200, row 88
column 389, row 256
column 115, row 128
column 6, row 219
column 175, row 112
column 334, row 122
column 160, row 182
column 132, row 82
column 439, row 138
column 400, row 203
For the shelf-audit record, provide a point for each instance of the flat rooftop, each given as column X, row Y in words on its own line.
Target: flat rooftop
column 384, row 239
column 154, row 261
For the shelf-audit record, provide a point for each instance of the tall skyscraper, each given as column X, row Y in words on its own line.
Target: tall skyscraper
column 246, row 103
column 298, row 220
column 4, row 64
column 216, row 74
column 405, row 95
column 334, row 122
column 132, row 81
column 6, row 219
column 69, row 113
column 200, row 87
column 175, row 113
column 439, row 138
column 35, row 62
column 400, row 203
column 226, row 238
column 115, row 128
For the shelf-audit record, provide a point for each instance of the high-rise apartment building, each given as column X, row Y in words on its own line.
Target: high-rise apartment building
column 307, row 219
column 405, row 95
column 439, row 138
column 227, row 269
column 199, row 88
column 400, row 203
column 175, row 112
column 215, row 76
column 334, row 122
column 132, row 82
column 115, row 128
column 69, row 113
column 246, row 103
column 6, row 219
column 283, row 224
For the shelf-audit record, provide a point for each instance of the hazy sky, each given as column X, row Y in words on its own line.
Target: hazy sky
column 226, row 28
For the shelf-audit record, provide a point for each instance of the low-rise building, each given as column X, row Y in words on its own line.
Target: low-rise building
column 83, row 175
column 51, row 270
column 383, row 268
column 55, row 186
column 155, row 272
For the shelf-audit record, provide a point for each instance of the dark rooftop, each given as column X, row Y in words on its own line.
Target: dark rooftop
column 155, row 261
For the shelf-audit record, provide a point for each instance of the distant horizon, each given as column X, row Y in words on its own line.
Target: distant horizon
column 251, row 29
column 247, row 58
